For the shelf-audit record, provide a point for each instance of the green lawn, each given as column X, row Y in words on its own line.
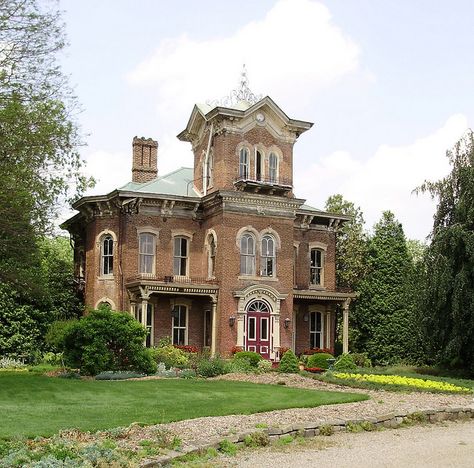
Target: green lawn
column 32, row 405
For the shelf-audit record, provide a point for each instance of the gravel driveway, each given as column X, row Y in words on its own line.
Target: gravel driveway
column 201, row 430
column 450, row 445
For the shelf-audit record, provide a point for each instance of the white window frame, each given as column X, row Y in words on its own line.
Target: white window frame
column 266, row 255
column 143, row 255
column 315, row 332
column 244, row 163
column 272, row 179
column 178, row 271
column 314, row 269
column 250, row 257
column 254, row 320
column 180, row 307
column 103, row 256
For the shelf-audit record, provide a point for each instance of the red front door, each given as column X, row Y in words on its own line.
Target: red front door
column 258, row 329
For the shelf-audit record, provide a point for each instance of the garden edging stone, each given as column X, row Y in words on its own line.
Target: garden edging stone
column 311, row 429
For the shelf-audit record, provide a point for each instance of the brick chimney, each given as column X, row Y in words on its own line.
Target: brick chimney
column 145, row 159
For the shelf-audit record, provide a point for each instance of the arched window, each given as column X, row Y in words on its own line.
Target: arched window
column 258, row 165
column 107, row 254
column 146, row 250
column 244, row 163
column 180, row 256
column 212, row 256
column 267, row 257
column 247, row 254
column 273, row 168
column 317, row 267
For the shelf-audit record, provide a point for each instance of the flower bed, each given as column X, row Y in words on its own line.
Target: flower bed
column 187, row 348
column 403, row 381
column 310, row 352
column 314, row 370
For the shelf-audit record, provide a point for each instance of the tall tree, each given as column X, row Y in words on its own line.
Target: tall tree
column 39, row 159
column 448, row 299
column 351, row 242
column 383, row 317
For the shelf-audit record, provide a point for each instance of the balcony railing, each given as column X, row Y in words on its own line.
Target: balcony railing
column 279, row 181
column 172, row 279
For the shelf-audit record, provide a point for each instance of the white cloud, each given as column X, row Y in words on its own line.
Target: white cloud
column 294, row 51
column 386, row 180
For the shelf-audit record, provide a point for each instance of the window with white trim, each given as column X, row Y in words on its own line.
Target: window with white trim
column 316, row 267
column 180, row 325
column 146, row 248
column 247, row 254
column 244, row 163
column 315, row 330
column 180, row 256
column 107, row 255
column 273, row 168
column 267, row 256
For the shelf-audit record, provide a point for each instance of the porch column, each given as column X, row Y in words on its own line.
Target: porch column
column 144, row 313
column 132, row 309
column 214, row 327
column 345, row 326
column 327, row 328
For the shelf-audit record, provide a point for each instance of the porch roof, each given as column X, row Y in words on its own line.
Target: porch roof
column 309, row 294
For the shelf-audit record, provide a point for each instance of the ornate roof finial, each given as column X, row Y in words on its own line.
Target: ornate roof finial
column 239, row 95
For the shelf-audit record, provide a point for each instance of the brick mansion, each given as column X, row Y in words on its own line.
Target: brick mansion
column 221, row 255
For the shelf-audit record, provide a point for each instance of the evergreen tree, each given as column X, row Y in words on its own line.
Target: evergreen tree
column 448, row 299
column 351, row 242
column 383, row 318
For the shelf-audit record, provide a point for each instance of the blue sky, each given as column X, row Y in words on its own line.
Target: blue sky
column 387, row 83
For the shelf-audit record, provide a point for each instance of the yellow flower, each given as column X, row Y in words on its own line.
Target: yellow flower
column 401, row 380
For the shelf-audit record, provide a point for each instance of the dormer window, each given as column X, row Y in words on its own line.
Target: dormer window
column 244, row 163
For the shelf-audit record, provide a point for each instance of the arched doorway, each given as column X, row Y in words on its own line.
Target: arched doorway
column 258, row 332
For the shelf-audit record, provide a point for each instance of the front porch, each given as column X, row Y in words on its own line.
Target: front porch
column 314, row 319
column 181, row 308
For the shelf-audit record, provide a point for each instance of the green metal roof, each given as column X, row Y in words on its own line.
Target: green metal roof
column 304, row 206
column 178, row 182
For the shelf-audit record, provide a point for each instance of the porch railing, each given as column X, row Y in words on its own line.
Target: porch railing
column 172, row 279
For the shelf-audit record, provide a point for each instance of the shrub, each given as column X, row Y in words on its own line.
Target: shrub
column 239, row 366
column 361, row 359
column 345, row 362
column 55, row 335
column 10, row 363
column 170, row 356
column 107, row 340
column 264, row 366
column 211, row 367
column 250, row 356
column 227, row 447
column 54, row 359
column 289, row 363
column 319, row 360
